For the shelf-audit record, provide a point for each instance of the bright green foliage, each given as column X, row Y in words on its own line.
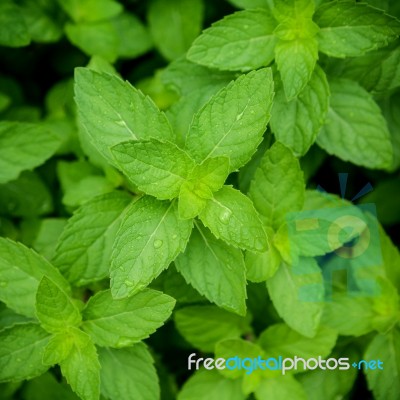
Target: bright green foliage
column 204, row 326
column 106, row 105
column 128, row 373
column 119, row 323
column 278, row 186
column 14, row 30
column 349, row 29
column 386, row 347
column 215, row 269
column 302, row 306
column 174, row 24
column 90, row 10
column 233, row 121
column 21, row 270
column 18, row 152
column 355, row 128
column 231, row 216
column 150, row 237
column 280, row 340
column 84, row 249
column 18, row 344
column 119, row 37
column 296, row 61
column 296, row 123
column 241, row 41
column 212, row 385
column 280, row 389
column 82, row 368
column 54, row 309
column 157, row 168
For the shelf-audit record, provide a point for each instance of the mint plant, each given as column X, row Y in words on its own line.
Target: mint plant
column 199, row 199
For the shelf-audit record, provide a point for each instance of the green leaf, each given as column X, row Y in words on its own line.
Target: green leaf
column 190, row 202
column 215, row 270
column 171, row 282
column 81, row 182
column 203, row 180
column 230, row 216
column 48, row 233
column 189, row 79
column 128, row 374
column 278, row 185
column 262, row 266
column 292, row 10
column 232, row 123
column 366, row 312
column 318, row 230
column 385, row 384
column 120, row 323
column 40, row 19
column 9, row 318
column 172, row 40
column 105, row 107
column 84, row 248
column 211, row 385
column 157, row 168
column 279, row 340
column 241, row 41
column 149, row 239
column 350, row 29
column 297, row 293
column 24, row 146
column 14, row 31
column 211, row 173
column 47, row 387
column 391, row 258
column 355, row 129
column 296, row 123
column 281, row 388
column 336, row 384
column 204, row 326
column 21, row 270
column 251, row 3
column 55, row 310
column 122, row 36
column 296, row 60
column 377, row 71
column 82, row 368
column 59, row 347
column 27, row 196
column 21, row 350
column 195, row 84
column 90, row 10
column 391, row 113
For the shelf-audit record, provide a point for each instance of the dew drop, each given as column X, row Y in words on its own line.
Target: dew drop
column 129, row 283
column 174, row 236
column 224, row 216
column 157, row 243
column 123, row 342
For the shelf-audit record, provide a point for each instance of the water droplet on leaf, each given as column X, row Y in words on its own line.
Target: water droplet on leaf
column 129, row 283
column 224, row 216
column 157, row 243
